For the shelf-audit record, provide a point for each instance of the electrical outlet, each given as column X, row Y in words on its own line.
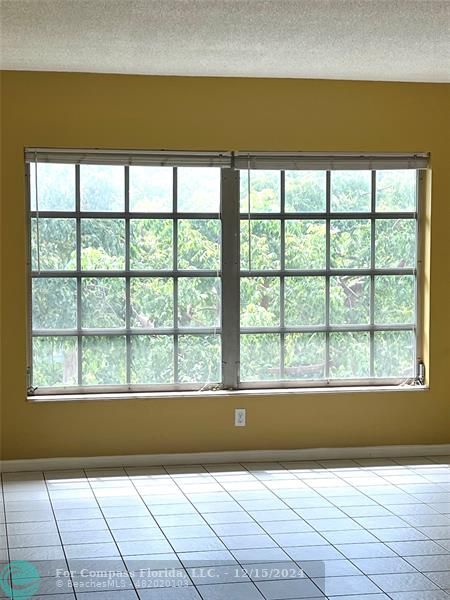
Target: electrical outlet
column 240, row 417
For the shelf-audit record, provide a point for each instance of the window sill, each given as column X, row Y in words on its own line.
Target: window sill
column 37, row 399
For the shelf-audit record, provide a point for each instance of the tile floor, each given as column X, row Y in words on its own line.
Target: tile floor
column 369, row 529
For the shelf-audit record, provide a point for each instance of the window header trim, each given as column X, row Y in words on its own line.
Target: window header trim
column 238, row 160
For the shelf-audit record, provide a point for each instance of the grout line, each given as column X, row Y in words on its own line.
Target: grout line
column 59, row 533
column 6, row 525
column 266, row 532
column 327, row 472
column 161, row 529
column 198, row 588
column 120, row 557
column 373, row 532
column 314, row 530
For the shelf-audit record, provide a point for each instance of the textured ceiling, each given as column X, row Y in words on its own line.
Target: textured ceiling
column 402, row 40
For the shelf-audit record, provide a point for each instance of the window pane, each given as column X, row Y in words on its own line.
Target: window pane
column 265, row 246
column 199, row 244
column 151, row 302
column 395, row 243
column 305, row 245
column 394, row 353
column 104, row 360
column 54, row 361
column 199, row 302
column 394, row 299
column 102, row 244
column 56, row 186
column 351, row 191
column 304, row 356
column 54, row 303
column 180, row 297
column 304, row 301
column 151, row 189
column 349, row 355
column 350, row 244
column 151, row 244
column 350, row 300
column 151, row 359
column 57, row 244
column 396, row 190
column 305, row 191
column 102, row 187
column 265, row 189
column 260, row 301
column 199, row 358
column 103, row 302
column 260, row 357
column 198, row 189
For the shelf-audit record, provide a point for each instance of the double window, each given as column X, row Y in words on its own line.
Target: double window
column 206, row 271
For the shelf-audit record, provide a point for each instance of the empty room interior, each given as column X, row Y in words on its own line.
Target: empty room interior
column 225, row 275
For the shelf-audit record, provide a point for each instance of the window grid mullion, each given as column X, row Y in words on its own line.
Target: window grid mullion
column 79, row 280
column 30, row 281
column 175, row 278
column 291, row 216
column 200, row 273
column 103, row 331
column 211, row 330
column 230, row 278
column 419, row 255
column 282, row 278
column 372, row 277
column 327, row 278
column 127, row 276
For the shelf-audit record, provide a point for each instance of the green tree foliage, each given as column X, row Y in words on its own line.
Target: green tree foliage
column 102, row 244
column 151, row 244
column 152, row 359
column 57, row 244
column 305, row 191
column 163, row 302
column 313, row 245
column 151, row 301
column 102, row 188
column 304, row 301
column 54, row 303
column 103, row 302
column 151, row 189
column 103, row 360
column 56, row 187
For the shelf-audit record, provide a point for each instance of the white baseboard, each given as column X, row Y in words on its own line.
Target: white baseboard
column 139, row 460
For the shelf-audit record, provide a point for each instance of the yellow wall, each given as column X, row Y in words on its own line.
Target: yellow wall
column 85, row 110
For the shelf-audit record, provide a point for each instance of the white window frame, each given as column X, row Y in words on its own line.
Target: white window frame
column 231, row 163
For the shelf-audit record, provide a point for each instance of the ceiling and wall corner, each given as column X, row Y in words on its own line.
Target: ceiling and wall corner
column 392, row 40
